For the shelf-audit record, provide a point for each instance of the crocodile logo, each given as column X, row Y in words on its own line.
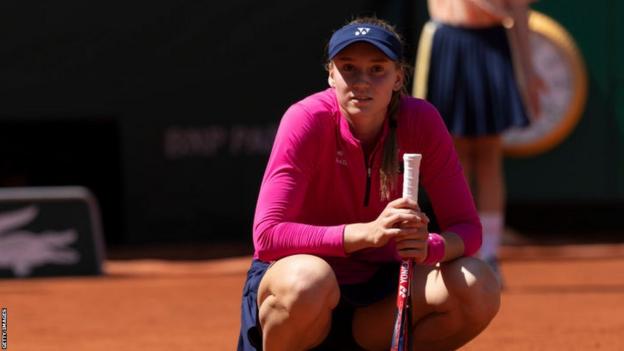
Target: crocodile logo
column 22, row 250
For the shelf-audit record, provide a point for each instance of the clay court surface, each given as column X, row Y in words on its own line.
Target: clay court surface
column 557, row 298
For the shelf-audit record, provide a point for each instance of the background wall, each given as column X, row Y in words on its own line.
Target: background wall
column 167, row 110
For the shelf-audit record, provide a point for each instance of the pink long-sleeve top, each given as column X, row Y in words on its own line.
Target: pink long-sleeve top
column 318, row 180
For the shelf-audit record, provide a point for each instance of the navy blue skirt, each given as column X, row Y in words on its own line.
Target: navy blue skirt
column 340, row 337
column 471, row 81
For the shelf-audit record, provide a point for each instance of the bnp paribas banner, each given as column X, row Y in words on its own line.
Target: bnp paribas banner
column 190, row 175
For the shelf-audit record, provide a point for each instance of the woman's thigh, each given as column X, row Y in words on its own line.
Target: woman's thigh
column 296, row 297
column 298, row 273
column 442, row 290
column 373, row 325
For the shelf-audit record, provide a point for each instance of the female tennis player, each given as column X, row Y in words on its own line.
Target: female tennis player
column 331, row 228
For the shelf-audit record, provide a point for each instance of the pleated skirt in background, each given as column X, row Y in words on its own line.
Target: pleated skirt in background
column 471, row 82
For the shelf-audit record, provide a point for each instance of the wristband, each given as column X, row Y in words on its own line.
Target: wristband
column 435, row 249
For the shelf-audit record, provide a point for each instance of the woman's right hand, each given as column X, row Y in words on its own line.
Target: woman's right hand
column 401, row 218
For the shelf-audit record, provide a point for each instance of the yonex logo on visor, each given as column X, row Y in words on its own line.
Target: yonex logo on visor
column 380, row 37
column 362, row 31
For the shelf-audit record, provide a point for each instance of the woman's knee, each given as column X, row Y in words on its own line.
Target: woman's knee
column 475, row 287
column 295, row 300
column 304, row 281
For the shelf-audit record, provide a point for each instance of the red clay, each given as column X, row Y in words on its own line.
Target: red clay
column 574, row 300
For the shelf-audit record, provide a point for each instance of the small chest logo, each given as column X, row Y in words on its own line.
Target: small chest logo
column 362, row 31
column 340, row 159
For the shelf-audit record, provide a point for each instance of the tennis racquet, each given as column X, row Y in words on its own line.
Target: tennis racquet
column 400, row 333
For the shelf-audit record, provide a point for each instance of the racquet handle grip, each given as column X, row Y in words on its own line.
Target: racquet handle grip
column 411, row 165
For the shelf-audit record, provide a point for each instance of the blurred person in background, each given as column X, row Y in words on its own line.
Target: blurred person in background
column 475, row 68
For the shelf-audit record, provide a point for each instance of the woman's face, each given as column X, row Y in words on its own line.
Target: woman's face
column 364, row 79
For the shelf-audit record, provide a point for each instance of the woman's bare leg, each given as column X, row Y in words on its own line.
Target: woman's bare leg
column 488, row 171
column 482, row 160
column 451, row 305
column 490, row 182
column 296, row 297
